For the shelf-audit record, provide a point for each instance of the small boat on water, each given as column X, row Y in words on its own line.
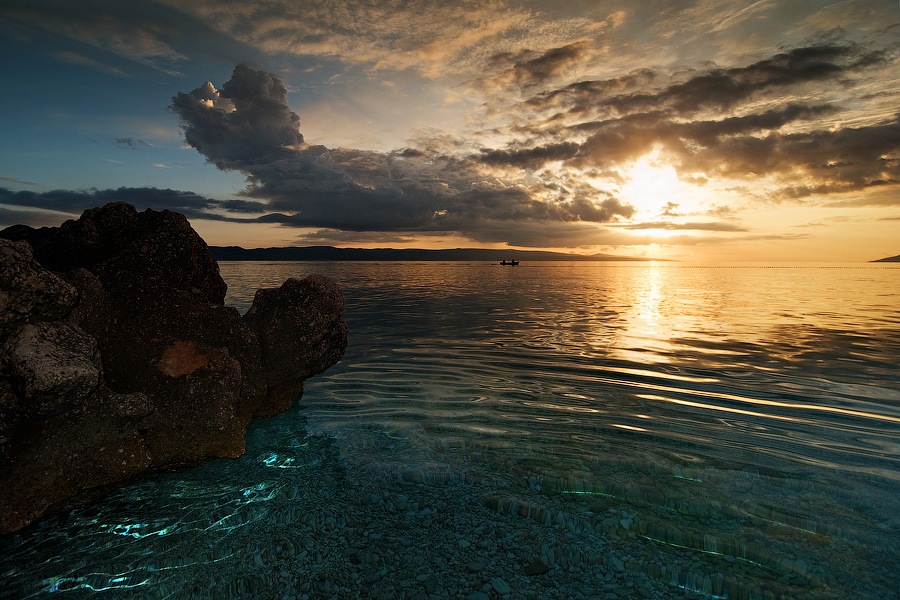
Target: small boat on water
column 509, row 262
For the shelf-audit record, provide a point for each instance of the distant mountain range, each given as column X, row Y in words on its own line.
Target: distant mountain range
column 889, row 259
column 407, row 254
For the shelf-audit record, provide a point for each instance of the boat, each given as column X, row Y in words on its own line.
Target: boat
column 509, row 262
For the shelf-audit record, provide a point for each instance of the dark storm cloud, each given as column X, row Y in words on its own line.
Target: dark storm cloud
column 190, row 204
column 618, row 140
column 694, row 142
column 583, row 95
column 248, row 126
column 552, row 63
column 835, row 161
column 800, row 148
column 530, row 158
column 247, row 123
column 784, row 141
column 716, row 88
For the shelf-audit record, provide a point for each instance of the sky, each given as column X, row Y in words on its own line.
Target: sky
column 697, row 130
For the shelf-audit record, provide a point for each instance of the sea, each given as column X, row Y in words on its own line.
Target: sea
column 549, row 430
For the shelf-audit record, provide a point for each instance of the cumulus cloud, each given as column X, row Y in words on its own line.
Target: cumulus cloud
column 740, row 122
column 247, row 126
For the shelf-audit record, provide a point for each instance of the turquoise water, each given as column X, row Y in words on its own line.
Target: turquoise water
column 640, row 430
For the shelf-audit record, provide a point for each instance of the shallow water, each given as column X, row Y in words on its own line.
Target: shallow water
column 655, row 430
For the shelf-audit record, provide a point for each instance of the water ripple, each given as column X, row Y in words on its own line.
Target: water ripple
column 732, row 432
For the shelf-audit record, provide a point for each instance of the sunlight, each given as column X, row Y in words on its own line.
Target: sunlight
column 656, row 232
column 655, row 189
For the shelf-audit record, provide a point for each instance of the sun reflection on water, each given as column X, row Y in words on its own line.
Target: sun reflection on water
column 729, row 430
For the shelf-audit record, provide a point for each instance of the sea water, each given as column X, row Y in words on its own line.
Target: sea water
column 550, row 430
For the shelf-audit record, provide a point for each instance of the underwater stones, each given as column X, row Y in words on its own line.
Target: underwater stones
column 616, row 565
column 118, row 355
column 500, row 586
column 535, row 568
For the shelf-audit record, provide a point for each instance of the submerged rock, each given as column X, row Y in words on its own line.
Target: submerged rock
column 118, row 355
column 296, row 328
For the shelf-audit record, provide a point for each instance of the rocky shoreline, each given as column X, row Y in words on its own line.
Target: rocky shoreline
column 118, row 355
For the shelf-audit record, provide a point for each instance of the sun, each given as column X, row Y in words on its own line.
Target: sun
column 655, row 189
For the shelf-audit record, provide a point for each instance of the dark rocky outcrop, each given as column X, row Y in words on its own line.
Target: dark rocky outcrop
column 118, row 355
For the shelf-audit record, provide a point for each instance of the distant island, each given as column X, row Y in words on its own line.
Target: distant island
column 889, row 259
column 404, row 254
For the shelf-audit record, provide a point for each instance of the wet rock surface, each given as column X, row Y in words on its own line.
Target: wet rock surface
column 118, row 355
column 295, row 326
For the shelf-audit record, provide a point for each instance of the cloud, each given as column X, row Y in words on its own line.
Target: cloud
column 580, row 96
column 15, row 180
column 868, row 15
column 710, row 16
column 248, row 127
column 670, row 210
column 530, row 158
column 433, row 38
column 820, row 162
column 34, row 218
column 527, row 68
column 668, row 225
column 743, row 122
column 336, row 237
column 538, row 180
column 715, row 88
column 129, row 143
column 190, row 204
column 247, row 123
column 875, row 200
column 141, row 32
column 78, row 59
column 416, row 34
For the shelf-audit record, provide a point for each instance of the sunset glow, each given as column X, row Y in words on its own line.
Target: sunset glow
column 721, row 131
column 655, row 189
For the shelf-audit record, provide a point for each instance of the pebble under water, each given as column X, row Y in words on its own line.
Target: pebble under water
column 552, row 430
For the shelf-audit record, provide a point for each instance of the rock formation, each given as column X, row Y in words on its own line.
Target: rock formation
column 118, row 355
